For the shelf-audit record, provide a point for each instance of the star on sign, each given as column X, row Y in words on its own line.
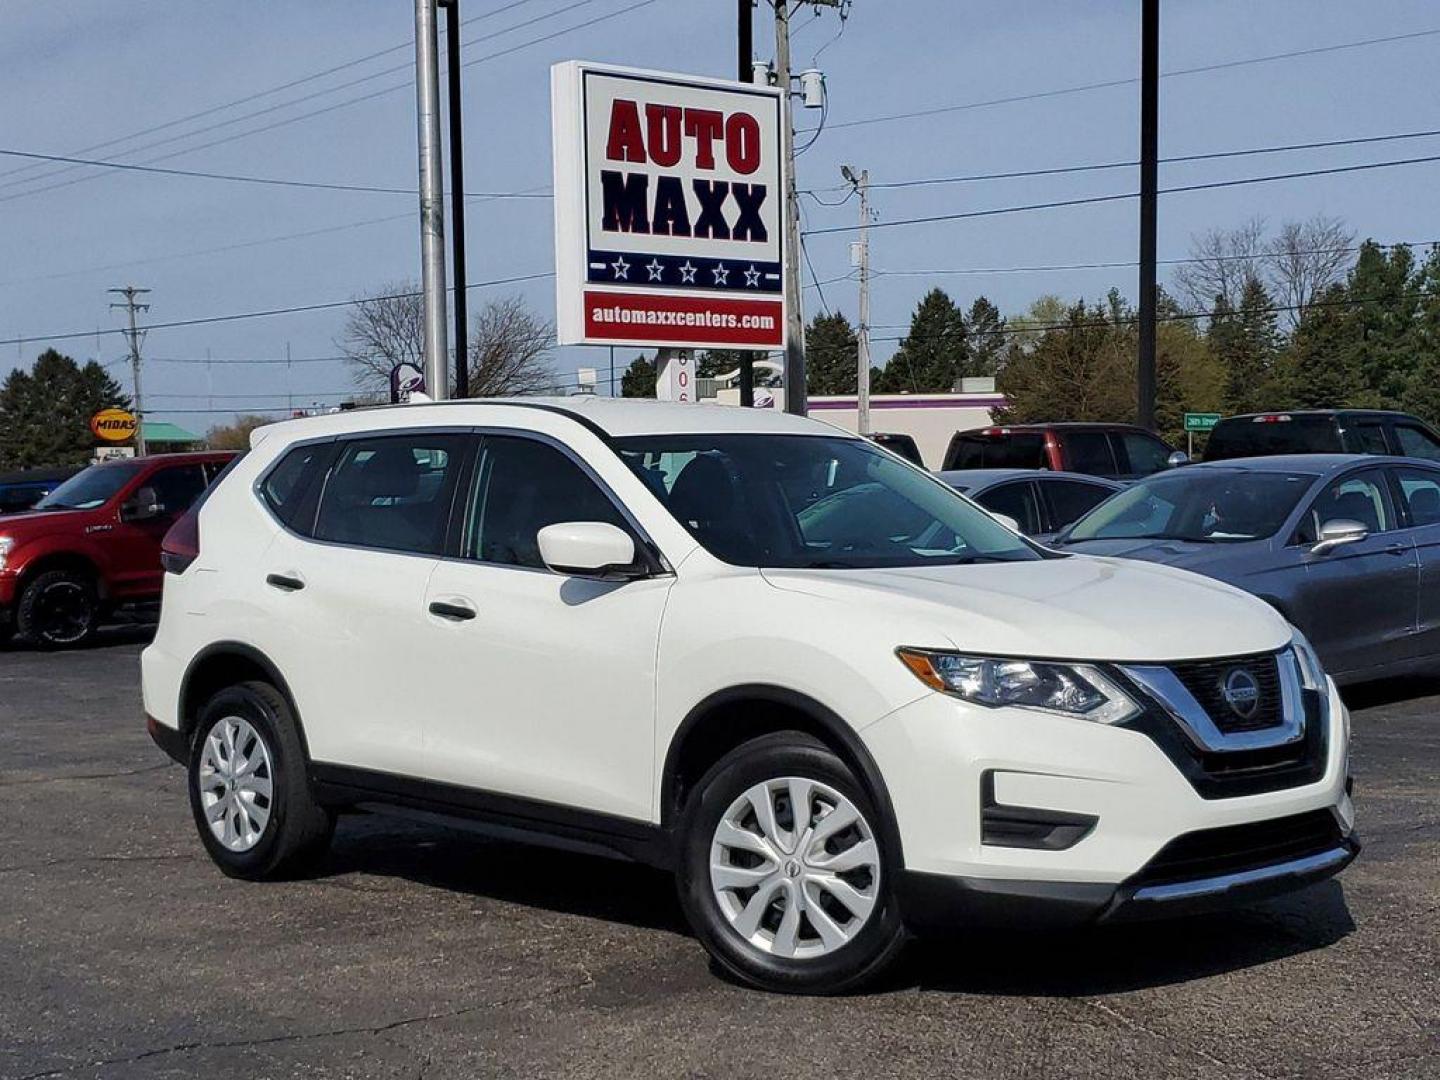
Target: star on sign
column 687, row 273
column 722, row 273
column 656, row 270
column 622, row 269
column 752, row 277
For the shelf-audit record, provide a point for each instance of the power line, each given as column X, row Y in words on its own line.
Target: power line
column 1107, row 84
column 274, row 181
column 212, row 110
column 1120, row 196
column 406, row 85
column 267, row 313
column 1177, row 159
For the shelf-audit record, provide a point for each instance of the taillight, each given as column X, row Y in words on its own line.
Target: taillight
column 181, row 545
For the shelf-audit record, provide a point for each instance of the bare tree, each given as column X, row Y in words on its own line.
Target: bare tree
column 1222, row 261
column 1306, row 258
column 509, row 344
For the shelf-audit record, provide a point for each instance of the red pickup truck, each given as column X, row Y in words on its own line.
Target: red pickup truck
column 93, row 544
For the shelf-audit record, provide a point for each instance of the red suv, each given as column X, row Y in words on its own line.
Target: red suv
column 93, row 544
column 1117, row 451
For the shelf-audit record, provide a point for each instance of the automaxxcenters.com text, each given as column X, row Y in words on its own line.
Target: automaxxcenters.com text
column 714, row 319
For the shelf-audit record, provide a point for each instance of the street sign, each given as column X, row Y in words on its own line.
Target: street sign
column 113, row 425
column 1201, row 421
column 669, row 201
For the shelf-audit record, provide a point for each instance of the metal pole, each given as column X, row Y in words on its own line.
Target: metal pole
column 1149, row 198
column 745, row 61
column 130, row 292
column 862, row 376
column 795, row 397
column 432, row 201
column 457, row 199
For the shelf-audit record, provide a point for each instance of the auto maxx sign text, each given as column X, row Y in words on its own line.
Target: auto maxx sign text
column 668, row 204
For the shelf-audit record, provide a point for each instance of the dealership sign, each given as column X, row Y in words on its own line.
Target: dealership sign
column 668, row 204
column 113, row 425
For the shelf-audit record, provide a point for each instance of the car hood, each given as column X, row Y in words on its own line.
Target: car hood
column 1075, row 608
column 35, row 522
column 1182, row 553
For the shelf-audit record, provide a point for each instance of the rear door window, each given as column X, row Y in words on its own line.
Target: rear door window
column 1015, row 500
column 392, row 492
column 1416, row 442
column 1140, row 454
column 1089, row 452
column 1070, row 500
column 1420, row 493
column 1367, row 437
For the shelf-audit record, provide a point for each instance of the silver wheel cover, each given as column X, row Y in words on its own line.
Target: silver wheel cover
column 236, row 783
column 795, row 868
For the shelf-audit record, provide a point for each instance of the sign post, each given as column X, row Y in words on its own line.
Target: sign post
column 1199, row 421
column 668, row 210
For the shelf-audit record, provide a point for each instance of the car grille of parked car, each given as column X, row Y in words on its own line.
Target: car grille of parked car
column 1205, row 679
column 1237, row 848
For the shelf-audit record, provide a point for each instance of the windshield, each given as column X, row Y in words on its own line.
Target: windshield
column 1199, row 505
column 814, row 502
column 87, row 490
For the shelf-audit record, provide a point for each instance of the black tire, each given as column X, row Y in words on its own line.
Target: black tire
column 298, row 830
column 784, row 754
column 59, row 609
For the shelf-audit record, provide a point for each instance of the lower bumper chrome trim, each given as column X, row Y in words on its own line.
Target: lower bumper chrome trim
column 1189, row 890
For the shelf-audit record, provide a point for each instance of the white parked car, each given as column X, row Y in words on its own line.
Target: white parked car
column 834, row 696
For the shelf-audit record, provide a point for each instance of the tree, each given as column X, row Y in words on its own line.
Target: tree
column 934, row 355
column 1384, row 302
column 1322, row 367
column 1422, row 395
column 832, row 353
column 638, row 381
column 1081, row 369
column 1221, row 262
column 236, row 435
column 509, row 348
column 985, row 327
column 1306, row 258
column 45, row 412
column 1246, row 343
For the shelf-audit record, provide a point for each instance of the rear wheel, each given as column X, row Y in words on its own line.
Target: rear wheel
column 59, row 609
column 783, row 869
column 249, row 792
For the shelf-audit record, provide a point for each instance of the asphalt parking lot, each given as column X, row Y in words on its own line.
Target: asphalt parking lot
column 417, row 951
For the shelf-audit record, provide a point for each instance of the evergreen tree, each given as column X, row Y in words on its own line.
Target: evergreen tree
column 1246, row 343
column 1081, row 370
column 1384, row 304
column 934, row 355
column 1422, row 395
column 713, row 362
column 832, row 353
column 1323, row 369
column 985, row 327
column 45, row 413
column 639, row 378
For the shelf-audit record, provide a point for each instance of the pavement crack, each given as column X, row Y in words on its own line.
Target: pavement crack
column 378, row 1031
column 71, row 860
column 1168, row 1039
column 87, row 776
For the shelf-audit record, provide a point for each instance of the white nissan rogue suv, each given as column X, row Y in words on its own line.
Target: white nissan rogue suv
column 836, row 698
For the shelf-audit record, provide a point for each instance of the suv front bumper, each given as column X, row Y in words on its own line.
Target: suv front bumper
column 1011, row 816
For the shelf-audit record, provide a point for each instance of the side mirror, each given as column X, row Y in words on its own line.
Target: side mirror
column 589, row 549
column 1337, row 532
column 144, row 505
column 1177, row 458
column 1008, row 521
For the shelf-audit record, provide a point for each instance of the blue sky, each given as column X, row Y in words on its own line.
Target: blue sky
column 84, row 72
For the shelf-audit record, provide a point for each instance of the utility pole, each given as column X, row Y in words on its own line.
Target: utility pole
column 862, row 373
column 130, row 292
column 745, row 68
column 432, row 201
column 457, row 198
column 795, row 397
column 1149, row 198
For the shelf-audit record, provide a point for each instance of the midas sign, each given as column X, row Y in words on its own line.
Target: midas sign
column 113, row 425
column 668, row 209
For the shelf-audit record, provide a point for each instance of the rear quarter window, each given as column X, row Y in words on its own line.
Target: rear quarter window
column 292, row 486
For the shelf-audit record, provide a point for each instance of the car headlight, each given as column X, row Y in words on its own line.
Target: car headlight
column 1077, row 690
column 6, row 543
column 1312, row 675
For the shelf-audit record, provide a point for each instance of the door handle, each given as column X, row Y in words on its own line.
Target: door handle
column 1397, row 549
column 455, row 612
column 284, row 582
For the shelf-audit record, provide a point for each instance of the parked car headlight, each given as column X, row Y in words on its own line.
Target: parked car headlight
column 1312, row 675
column 1078, row 690
column 6, row 543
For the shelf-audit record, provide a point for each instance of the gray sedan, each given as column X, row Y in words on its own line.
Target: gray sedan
column 1039, row 501
column 1346, row 546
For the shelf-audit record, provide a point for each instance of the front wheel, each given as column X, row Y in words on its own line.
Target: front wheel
column 59, row 609
column 784, row 874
